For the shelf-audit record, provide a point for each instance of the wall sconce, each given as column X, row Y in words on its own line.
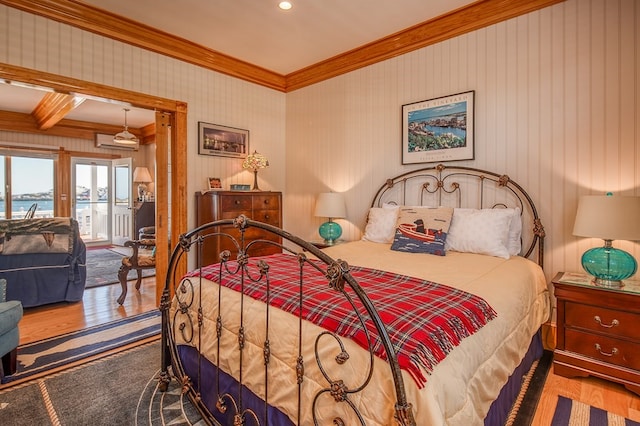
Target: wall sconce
column 610, row 218
column 143, row 177
column 331, row 205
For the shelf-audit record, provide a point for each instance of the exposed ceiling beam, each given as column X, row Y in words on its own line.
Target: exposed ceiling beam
column 26, row 123
column 472, row 17
column 53, row 107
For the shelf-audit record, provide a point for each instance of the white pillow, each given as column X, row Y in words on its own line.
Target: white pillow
column 484, row 231
column 514, row 243
column 381, row 224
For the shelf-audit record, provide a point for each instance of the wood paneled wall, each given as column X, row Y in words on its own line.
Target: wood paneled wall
column 557, row 109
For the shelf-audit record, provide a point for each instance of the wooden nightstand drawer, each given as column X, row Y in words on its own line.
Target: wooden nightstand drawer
column 599, row 319
column 615, row 351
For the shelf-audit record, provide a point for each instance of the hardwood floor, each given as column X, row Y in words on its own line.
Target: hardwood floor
column 592, row 391
column 99, row 306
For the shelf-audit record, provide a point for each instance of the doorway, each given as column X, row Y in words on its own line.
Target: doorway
column 91, row 199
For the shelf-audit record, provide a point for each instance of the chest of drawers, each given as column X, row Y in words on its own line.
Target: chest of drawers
column 262, row 206
column 598, row 332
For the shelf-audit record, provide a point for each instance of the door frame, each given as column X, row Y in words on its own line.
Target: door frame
column 171, row 154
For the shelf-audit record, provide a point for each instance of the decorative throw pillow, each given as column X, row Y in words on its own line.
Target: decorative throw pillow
column 381, row 224
column 422, row 230
column 484, row 231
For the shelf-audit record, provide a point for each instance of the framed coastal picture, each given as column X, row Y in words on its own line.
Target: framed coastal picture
column 224, row 141
column 439, row 129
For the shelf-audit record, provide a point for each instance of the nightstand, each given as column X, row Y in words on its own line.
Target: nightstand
column 598, row 331
column 322, row 244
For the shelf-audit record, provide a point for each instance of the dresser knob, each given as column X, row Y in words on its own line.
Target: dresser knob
column 266, row 201
column 237, row 201
column 614, row 323
column 266, row 216
column 613, row 351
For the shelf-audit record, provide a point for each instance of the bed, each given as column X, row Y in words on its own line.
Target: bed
column 432, row 328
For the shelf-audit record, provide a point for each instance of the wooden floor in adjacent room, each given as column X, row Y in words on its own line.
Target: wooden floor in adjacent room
column 99, row 306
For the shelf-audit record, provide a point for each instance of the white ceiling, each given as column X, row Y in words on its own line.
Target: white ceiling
column 255, row 31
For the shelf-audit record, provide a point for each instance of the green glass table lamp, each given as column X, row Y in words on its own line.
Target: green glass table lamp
column 330, row 205
column 611, row 218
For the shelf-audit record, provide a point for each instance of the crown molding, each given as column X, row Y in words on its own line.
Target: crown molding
column 463, row 20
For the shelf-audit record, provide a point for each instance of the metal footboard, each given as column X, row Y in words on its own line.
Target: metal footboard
column 184, row 316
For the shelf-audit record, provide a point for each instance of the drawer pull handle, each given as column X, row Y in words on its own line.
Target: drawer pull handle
column 613, row 351
column 266, row 201
column 614, row 323
column 237, row 201
column 266, row 217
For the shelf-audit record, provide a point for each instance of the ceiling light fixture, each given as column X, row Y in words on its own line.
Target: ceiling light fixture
column 285, row 5
column 126, row 137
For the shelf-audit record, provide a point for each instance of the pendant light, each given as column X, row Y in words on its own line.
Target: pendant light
column 125, row 137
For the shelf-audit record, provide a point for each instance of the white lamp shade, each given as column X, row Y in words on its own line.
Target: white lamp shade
column 608, row 217
column 141, row 174
column 331, row 204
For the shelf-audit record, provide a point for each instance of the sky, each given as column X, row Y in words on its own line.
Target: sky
column 36, row 175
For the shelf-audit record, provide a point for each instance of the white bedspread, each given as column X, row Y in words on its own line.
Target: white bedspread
column 461, row 388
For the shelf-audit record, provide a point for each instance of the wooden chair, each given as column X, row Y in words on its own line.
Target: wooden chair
column 139, row 260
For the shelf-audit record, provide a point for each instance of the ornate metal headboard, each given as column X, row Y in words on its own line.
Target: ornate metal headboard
column 466, row 187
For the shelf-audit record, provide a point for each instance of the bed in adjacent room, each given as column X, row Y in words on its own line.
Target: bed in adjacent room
column 432, row 318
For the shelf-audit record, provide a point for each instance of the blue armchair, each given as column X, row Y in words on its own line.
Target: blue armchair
column 10, row 315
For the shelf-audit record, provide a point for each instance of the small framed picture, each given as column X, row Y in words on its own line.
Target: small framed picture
column 223, row 141
column 439, row 129
column 214, row 183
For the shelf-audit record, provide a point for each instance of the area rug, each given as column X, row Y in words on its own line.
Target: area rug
column 120, row 389
column 117, row 389
column 44, row 356
column 571, row 412
column 103, row 266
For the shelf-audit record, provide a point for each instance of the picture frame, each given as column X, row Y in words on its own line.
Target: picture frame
column 214, row 184
column 438, row 129
column 223, row 141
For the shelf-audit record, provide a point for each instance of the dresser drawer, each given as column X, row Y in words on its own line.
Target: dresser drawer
column 272, row 217
column 603, row 320
column 232, row 214
column 235, row 203
column 614, row 351
column 266, row 201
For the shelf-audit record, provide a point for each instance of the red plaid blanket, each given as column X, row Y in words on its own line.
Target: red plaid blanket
column 425, row 320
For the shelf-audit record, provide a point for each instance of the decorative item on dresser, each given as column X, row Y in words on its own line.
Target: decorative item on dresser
column 255, row 162
column 262, row 206
column 598, row 331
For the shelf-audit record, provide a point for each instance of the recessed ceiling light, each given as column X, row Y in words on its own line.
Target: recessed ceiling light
column 285, row 5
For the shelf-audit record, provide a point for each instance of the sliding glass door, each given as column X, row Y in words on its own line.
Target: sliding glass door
column 91, row 199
